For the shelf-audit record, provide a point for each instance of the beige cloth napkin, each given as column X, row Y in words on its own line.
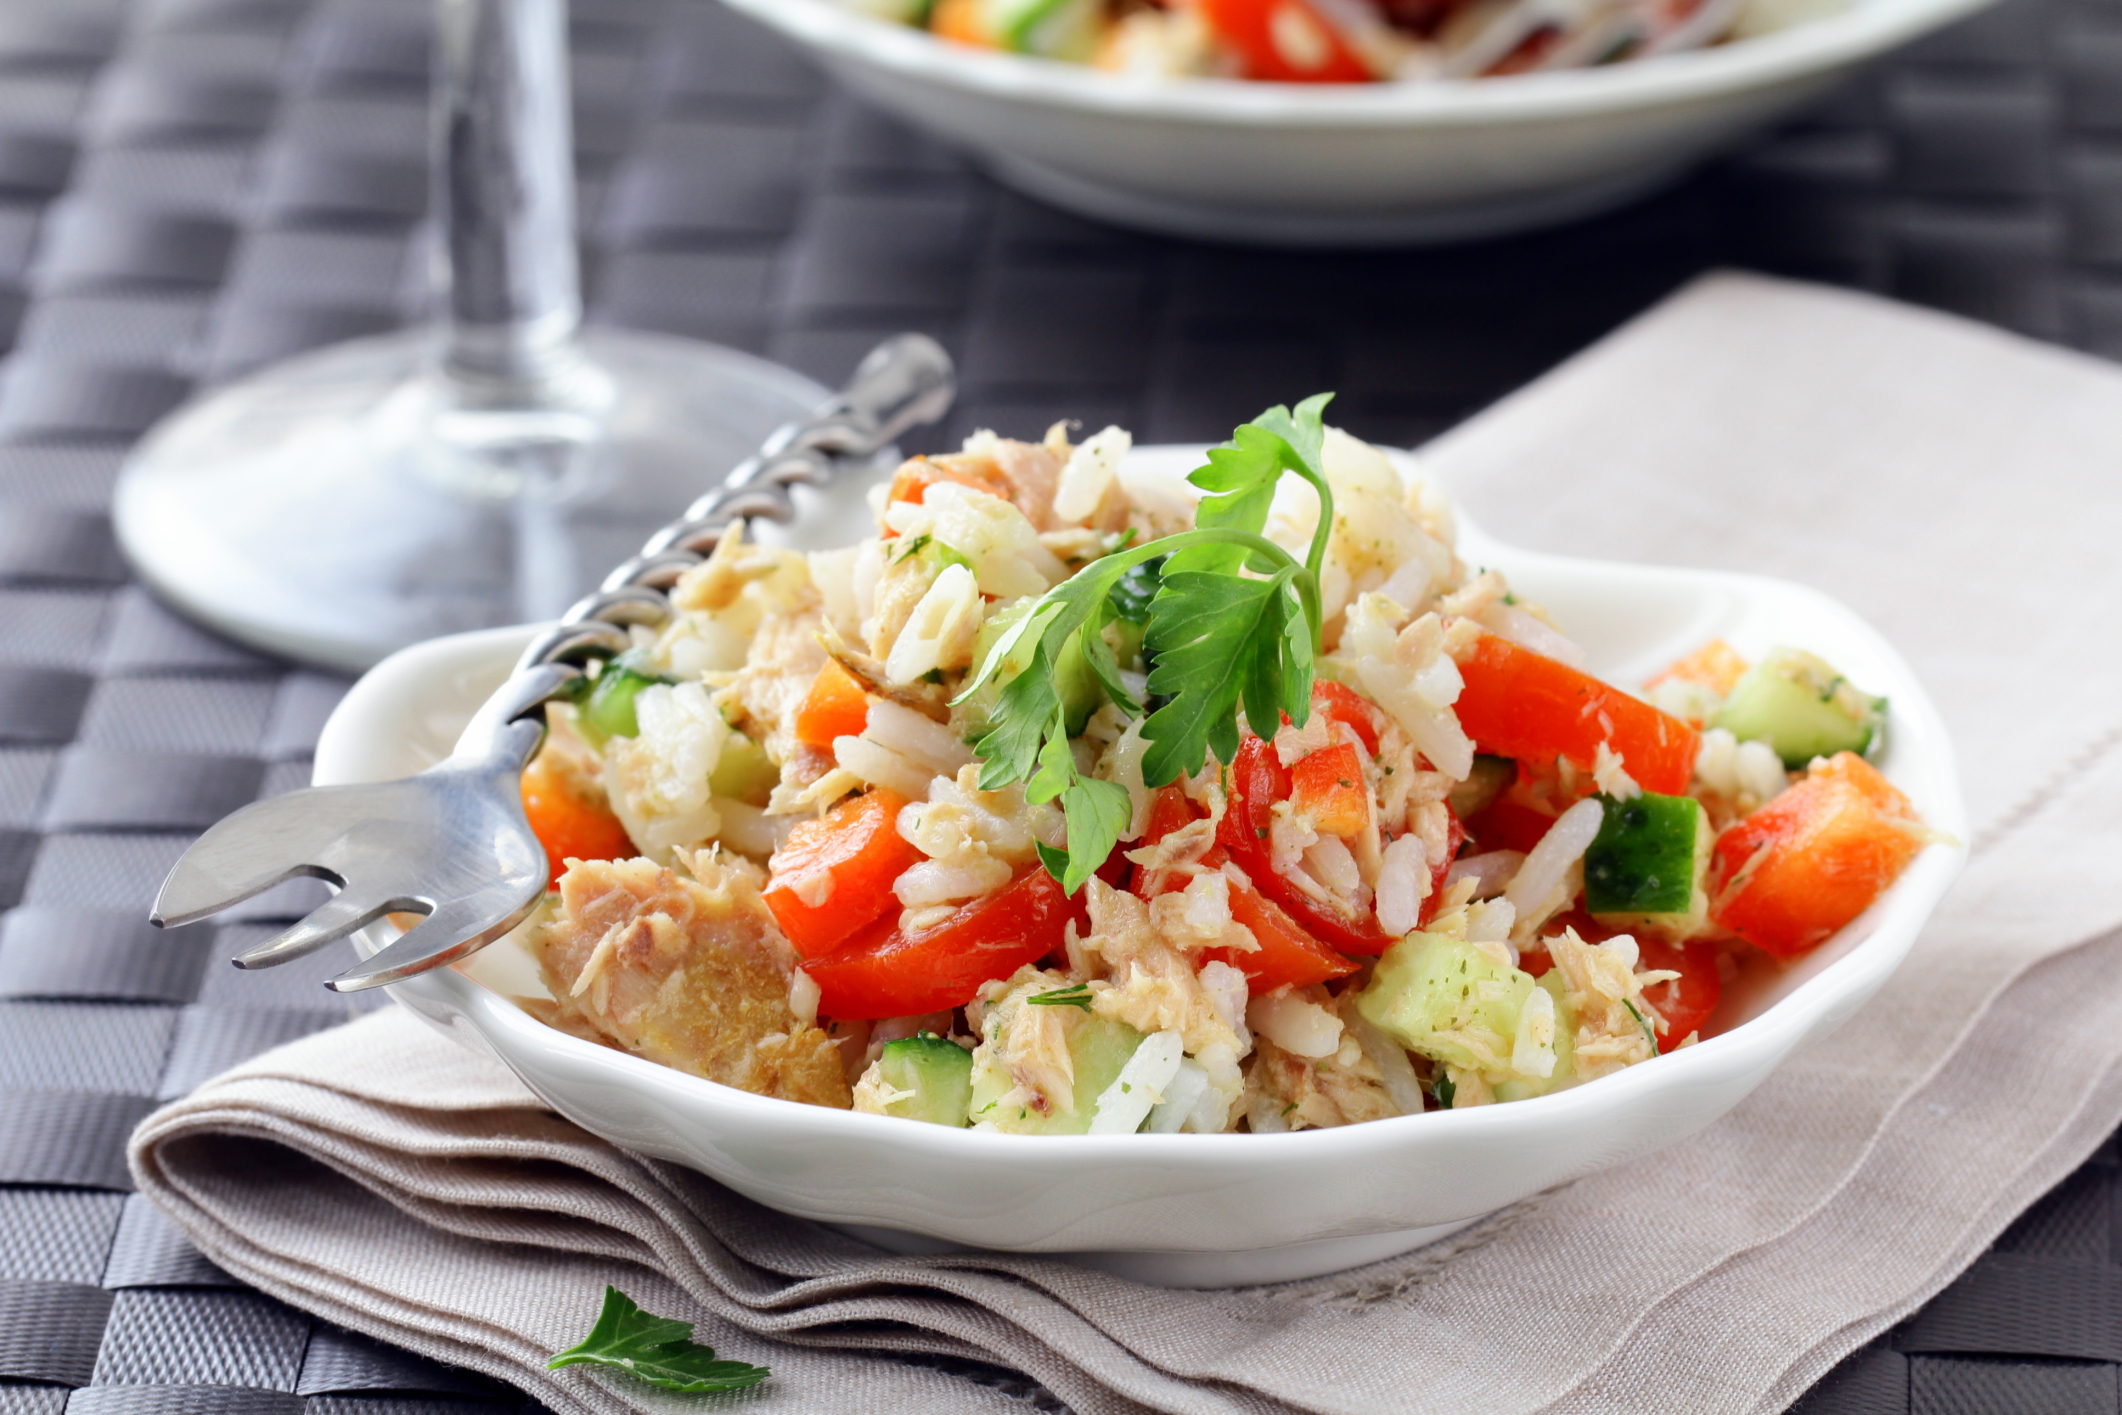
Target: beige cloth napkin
column 1958, row 486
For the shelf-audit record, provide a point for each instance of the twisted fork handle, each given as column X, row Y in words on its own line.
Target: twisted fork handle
column 904, row 382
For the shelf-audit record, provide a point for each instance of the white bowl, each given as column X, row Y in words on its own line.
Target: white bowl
column 1343, row 165
column 1212, row 1210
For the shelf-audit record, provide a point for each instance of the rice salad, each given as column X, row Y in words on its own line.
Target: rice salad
column 1062, row 805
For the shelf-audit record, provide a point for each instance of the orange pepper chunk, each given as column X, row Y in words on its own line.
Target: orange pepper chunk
column 917, row 474
column 1328, row 786
column 836, row 706
column 1716, row 666
column 568, row 822
column 963, row 22
column 1517, row 703
column 1805, row 864
column 834, row 875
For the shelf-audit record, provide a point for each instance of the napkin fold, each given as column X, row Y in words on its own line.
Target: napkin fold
column 1952, row 483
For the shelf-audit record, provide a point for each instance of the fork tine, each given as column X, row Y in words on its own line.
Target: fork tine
column 242, row 856
column 330, row 921
column 457, row 928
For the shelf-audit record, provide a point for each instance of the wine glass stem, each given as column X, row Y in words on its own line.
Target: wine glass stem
column 505, row 196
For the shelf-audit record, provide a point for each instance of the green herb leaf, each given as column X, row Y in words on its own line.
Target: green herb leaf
column 1217, row 637
column 659, row 1350
column 1075, row 996
column 1136, row 587
column 1444, row 1090
column 1642, row 1022
column 1218, row 640
column 1240, row 481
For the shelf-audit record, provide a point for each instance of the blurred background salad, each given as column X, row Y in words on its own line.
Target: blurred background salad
column 1345, row 41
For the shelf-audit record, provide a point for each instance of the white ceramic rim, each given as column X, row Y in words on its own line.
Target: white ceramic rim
column 1759, row 1043
column 1867, row 28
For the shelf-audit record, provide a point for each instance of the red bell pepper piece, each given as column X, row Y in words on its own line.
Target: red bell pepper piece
column 1343, row 704
column 1685, row 1002
column 1518, row 703
column 836, row 706
column 568, row 823
column 1814, row 858
column 1258, row 780
column 1287, row 955
column 846, row 862
column 884, row 972
column 1328, row 787
column 1285, row 41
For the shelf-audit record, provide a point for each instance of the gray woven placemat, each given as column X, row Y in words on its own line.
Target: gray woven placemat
column 191, row 187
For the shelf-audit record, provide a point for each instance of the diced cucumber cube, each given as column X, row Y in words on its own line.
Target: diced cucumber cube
column 1439, row 995
column 1098, row 1049
column 936, row 1074
column 1647, row 866
column 609, row 711
column 1057, row 29
column 744, row 772
column 1799, row 705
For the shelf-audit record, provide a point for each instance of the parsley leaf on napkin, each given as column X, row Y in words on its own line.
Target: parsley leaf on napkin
column 659, row 1350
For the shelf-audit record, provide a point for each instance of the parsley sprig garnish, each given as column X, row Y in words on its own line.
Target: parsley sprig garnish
column 1233, row 622
column 660, row 1350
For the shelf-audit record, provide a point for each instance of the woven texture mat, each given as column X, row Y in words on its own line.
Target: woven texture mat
column 189, row 188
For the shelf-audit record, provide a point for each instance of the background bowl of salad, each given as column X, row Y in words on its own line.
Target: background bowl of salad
column 1213, row 1209
column 1388, row 144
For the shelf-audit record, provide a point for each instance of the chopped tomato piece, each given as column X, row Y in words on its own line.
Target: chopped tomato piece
column 1258, row 780
column 1814, row 858
column 1328, row 786
column 883, row 972
column 1168, row 811
column 570, row 823
column 834, row 876
column 1517, row 703
column 836, row 706
column 1287, row 955
column 1285, row 41
column 1716, row 666
column 1684, row 1003
column 1508, row 824
column 1343, row 704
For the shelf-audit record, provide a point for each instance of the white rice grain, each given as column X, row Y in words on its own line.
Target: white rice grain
column 1127, row 1102
column 1759, row 770
column 879, row 765
column 1403, row 883
column 918, row 739
column 1491, row 871
column 1299, row 1027
column 1528, row 631
column 1546, row 868
column 1089, row 473
column 939, row 633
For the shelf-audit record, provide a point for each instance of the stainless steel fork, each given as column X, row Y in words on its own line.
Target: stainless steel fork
column 452, row 843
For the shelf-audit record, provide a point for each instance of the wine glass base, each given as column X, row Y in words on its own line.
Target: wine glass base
column 330, row 509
